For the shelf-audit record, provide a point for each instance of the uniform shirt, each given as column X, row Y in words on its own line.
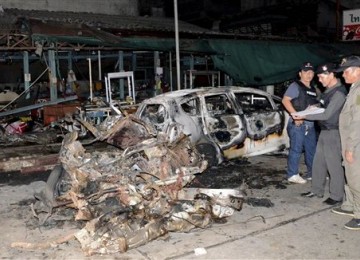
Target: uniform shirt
column 349, row 123
column 293, row 92
column 337, row 101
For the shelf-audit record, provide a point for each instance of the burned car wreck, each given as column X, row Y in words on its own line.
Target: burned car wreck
column 132, row 192
column 223, row 123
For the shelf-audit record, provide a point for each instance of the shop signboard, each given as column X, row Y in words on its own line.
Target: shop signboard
column 351, row 25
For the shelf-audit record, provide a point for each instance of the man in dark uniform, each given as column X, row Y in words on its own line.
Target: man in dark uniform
column 328, row 150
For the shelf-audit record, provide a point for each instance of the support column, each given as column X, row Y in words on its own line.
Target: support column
column 69, row 58
column 157, row 77
column 121, row 81
column 99, row 64
column 191, row 61
column 65, row 87
column 171, row 72
column 177, row 45
column 52, row 77
column 156, row 61
column 27, row 76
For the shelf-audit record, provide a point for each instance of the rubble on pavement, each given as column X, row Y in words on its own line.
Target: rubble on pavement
column 133, row 192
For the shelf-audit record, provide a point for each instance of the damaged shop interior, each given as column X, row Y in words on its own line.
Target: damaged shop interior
column 58, row 65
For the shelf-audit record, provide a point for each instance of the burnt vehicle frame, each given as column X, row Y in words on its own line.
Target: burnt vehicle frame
column 223, row 123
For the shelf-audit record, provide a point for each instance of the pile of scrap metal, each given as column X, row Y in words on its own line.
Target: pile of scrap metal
column 135, row 191
column 30, row 143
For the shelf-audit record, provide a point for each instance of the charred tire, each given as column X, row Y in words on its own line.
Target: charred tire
column 47, row 196
column 209, row 152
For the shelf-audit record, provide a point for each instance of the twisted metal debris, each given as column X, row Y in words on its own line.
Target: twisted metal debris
column 133, row 192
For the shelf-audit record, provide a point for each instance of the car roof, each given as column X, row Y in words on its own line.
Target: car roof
column 180, row 94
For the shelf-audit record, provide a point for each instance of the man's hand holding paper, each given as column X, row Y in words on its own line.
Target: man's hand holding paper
column 311, row 110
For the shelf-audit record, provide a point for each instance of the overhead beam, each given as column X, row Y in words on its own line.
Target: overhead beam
column 36, row 106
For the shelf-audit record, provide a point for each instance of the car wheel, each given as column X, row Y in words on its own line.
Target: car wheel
column 209, row 152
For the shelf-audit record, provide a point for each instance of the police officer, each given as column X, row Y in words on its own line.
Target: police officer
column 328, row 150
column 349, row 126
column 299, row 95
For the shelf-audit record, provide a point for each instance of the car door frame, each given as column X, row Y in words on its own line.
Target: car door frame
column 275, row 140
column 238, row 128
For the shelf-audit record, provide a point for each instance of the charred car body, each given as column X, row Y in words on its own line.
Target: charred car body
column 225, row 122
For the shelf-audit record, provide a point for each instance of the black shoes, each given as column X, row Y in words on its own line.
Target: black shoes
column 341, row 211
column 328, row 201
column 353, row 224
column 310, row 195
column 331, row 202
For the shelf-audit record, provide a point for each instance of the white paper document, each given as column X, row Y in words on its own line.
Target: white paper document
column 309, row 111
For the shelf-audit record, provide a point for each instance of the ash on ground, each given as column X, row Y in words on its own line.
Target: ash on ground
column 244, row 175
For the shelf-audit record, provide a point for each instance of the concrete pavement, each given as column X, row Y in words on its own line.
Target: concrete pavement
column 294, row 228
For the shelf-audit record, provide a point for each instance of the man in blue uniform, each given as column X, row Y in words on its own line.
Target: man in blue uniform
column 299, row 95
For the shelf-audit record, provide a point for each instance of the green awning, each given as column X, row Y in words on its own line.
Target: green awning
column 247, row 62
column 262, row 63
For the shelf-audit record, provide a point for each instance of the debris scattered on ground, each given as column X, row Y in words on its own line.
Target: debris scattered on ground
column 259, row 202
column 200, row 251
column 133, row 192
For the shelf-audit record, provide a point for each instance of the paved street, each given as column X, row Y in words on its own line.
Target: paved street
column 294, row 227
